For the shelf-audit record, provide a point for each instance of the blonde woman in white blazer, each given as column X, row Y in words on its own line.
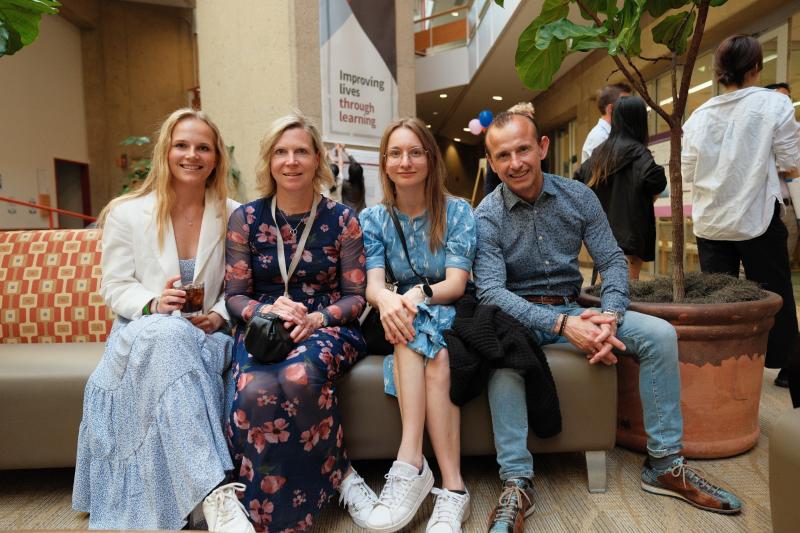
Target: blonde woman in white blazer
column 151, row 445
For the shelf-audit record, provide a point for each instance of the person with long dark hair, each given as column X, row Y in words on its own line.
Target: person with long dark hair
column 623, row 174
column 734, row 147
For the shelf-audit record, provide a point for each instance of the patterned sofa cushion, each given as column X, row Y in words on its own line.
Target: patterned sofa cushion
column 48, row 287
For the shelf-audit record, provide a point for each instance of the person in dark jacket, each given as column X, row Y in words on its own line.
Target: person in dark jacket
column 623, row 174
column 353, row 193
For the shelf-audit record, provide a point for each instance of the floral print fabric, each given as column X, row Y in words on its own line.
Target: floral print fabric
column 284, row 430
column 381, row 242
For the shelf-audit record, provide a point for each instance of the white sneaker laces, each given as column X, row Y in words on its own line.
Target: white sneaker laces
column 357, row 496
column 227, row 502
column 448, row 507
column 394, row 490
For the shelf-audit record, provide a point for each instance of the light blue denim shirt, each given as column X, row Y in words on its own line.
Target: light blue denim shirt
column 532, row 249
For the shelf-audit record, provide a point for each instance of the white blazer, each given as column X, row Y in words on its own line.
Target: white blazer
column 135, row 270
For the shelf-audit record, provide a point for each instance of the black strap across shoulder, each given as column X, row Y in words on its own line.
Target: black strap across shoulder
column 399, row 229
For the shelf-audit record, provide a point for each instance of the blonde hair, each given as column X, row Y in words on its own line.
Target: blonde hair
column 158, row 179
column 435, row 190
column 265, row 181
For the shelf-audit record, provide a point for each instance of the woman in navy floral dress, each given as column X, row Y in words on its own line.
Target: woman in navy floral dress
column 285, row 430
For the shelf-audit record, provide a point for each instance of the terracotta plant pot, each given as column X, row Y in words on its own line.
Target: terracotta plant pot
column 721, row 352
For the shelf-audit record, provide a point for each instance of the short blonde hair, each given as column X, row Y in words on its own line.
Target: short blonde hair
column 158, row 179
column 265, row 181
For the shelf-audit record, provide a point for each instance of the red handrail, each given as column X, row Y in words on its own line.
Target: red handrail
column 50, row 210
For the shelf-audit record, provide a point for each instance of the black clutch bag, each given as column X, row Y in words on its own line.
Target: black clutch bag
column 267, row 340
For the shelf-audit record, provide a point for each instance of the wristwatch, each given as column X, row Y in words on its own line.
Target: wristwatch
column 427, row 292
column 619, row 316
column 324, row 319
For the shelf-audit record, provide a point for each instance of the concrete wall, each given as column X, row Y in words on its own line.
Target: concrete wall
column 42, row 114
column 139, row 64
column 261, row 60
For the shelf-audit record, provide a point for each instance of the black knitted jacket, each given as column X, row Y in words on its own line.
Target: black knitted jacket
column 482, row 338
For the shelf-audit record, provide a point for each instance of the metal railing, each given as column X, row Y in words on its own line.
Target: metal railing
column 449, row 27
column 49, row 210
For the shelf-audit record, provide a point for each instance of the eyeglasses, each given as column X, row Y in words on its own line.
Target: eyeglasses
column 415, row 154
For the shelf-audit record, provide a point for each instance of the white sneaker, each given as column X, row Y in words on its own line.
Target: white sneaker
column 449, row 512
column 357, row 497
column 224, row 512
column 403, row 493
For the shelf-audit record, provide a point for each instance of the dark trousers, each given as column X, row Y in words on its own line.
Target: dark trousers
column 766, row 261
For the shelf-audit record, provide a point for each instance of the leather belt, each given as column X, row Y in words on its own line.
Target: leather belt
column 549, row 299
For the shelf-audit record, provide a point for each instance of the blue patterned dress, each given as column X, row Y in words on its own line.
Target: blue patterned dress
column 151, row 443
column 285, row 431
column 381, row 240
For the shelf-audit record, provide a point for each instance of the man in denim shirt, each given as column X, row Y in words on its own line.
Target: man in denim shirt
column 530, row 231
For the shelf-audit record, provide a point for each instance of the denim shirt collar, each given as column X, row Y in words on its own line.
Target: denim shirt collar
column 510, row 199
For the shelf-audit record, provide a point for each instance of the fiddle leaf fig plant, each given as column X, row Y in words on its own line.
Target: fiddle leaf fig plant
column 616, row 27
column 19, row 22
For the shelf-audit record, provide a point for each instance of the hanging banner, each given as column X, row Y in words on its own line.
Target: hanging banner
column 358, row 60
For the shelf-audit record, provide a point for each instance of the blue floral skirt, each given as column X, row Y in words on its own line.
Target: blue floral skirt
column 151, row 443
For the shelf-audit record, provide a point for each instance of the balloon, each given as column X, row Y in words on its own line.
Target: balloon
column 485, row 117
column 475, row 126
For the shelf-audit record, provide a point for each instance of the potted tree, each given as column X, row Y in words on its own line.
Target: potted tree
column 722, row 346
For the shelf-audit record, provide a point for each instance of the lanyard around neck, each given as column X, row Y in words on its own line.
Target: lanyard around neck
column 300, row 246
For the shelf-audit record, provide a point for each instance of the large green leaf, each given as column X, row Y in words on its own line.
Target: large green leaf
column 19, row 22
column 630, row 31
column 595, row 6
column 499, row 2
column 659, row 7
column 534, row 65
column 564, row 29
column 536, row 68
column 586, row 44
column 674, row 31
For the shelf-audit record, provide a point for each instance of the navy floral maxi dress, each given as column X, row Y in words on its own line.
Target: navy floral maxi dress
column 284, row 429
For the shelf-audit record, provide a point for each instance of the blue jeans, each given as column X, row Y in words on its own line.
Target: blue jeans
column 651, row 339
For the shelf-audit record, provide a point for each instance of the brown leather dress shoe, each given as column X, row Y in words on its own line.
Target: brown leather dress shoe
column 690, row 485
column 515, row 503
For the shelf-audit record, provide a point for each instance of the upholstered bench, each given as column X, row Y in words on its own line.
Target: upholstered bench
column 53, row 324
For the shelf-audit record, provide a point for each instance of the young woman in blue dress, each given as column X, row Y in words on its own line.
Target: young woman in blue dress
column 439, row 233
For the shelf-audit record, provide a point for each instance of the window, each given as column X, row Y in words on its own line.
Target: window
column 562, row 158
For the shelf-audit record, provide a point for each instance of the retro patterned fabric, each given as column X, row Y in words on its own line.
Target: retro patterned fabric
column 48, row 287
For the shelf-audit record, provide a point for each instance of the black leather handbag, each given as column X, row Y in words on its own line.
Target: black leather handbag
column 371, row 325
column 265, row 337
column 267, row 340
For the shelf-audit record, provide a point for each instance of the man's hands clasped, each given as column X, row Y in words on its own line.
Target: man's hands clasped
column 595, row 334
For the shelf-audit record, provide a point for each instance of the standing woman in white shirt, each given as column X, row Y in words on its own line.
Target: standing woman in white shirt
column 734, row 145
column 151, row 444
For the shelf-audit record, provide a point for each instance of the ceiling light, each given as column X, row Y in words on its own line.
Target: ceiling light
column 498, row 98
column 454, row 13
column 427, row 125
column 456, row 139
column 443, row 95
column 435, row 112
column 465, row 129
